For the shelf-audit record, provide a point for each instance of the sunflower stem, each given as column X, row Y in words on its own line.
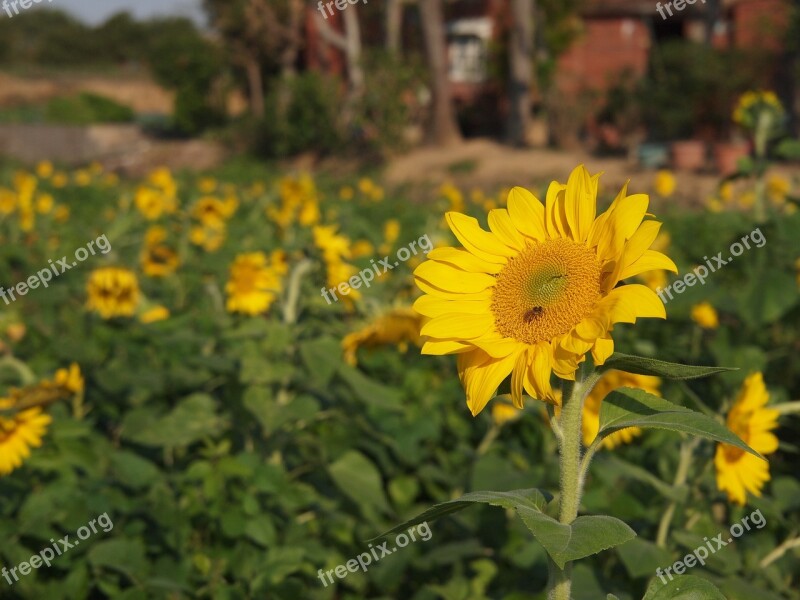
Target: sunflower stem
column 687, row 450
column 571, row 469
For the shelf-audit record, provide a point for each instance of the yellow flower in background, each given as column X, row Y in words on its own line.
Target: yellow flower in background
column 157, row 258
column 209, row 237
column 739, row 472
column 610, row 381
column 453, row 195
column 726, row 192
column 8, row 201
column 539, row 290
column 309, row 213
column 391, row 231
column 664, row 183
column 714, row 205
column 44, row 203
column 503, row 412
column 154, row 315
column 149, row 202
column 334, row 246
column 61, row 213
column 70, row 379
column 366, row 186
column 476, row 196
column 253, row 285
column 44, row 170
column 751, row 103
column 82, row 177
column 748, row 199
column 113, row 292
column 489, row 204
column 210, row 211
column 110, row 179
column 398, row 326
column 207, row 185
column 60, row 180
column 778, row 189
column 705, row 315
column 95, row 168
column 362, row 248
column 19, row 433
column 346, row 193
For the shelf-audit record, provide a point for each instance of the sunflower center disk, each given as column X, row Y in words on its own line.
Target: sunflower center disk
column 546, row 290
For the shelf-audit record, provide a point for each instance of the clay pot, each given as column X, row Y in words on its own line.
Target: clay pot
column 688, row 155
column 727, row 155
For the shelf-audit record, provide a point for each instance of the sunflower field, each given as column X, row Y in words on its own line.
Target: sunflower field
column 245, row 378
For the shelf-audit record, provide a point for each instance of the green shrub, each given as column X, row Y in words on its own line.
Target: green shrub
column 86, row 108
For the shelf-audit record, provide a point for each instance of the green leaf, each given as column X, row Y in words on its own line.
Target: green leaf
column 261, row 402
column 586, row 535
column 621, row 468
column 650, row 366
column 641, row 557
column 360, row 480
column 191, row 420
column 321, row 358
column 629, row 407
column 769, row 295
column 789, row 149
column 370, row 392
column 683, row 587
column 531, row 498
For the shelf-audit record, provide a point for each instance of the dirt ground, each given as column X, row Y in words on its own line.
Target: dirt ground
column 488, row 165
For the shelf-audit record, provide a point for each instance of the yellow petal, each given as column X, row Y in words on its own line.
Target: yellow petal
column 555, row 223
column 527, row 212
column 465, row 260
column 628, row 302
column 430, row 306
column 458, row 326
column 438, row 292
column 501, row 225
column 453, row 279
column 517, row 378
column 649, row 261
column 482, row 380
column 602, row 349
column 481, row 243
column 438, row 348
column 580, row 203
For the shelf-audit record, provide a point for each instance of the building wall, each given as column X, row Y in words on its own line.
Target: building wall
column 607, row 48
column 760, row 23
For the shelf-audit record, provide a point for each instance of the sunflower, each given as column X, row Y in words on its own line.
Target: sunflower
column 158, row 259
column 739, row 472
column 705, row 315
column 19, row 433
column 610, row 381
column 253, row 284
column 113, row 292
column 664, row 183
column 398, row 326
column 155, row 314
column 535, row 294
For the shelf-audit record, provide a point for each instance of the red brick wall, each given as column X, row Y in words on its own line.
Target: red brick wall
column 760, row 23
column 607, row 47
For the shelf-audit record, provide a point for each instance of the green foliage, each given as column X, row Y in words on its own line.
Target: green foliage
column 85, row 109
column 301, row 115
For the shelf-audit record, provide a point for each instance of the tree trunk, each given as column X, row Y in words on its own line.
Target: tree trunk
column 352, row 32
column 444, row 130
column 255, row 85
column 394, row 25
column 520, row 51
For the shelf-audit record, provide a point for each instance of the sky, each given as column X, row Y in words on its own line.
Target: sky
column 97, row 11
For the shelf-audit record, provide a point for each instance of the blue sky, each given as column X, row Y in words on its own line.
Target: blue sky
column 97, row 11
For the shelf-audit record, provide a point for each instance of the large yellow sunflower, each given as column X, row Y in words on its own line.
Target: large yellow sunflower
column 739, row 472
column 532, row 296
column 397, row 326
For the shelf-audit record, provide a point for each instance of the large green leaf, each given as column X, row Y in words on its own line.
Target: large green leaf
column 586, row 535
column 629, row 407
column 650, row 366
column 193, row 419
column 531, row 498
column 642, row 558
column 683, row 587
column 359, row 478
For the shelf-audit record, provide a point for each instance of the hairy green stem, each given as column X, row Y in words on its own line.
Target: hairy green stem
column 572, row 472
column 685, row 461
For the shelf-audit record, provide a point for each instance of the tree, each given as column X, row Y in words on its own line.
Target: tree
column 444, row 128
column 520, row 52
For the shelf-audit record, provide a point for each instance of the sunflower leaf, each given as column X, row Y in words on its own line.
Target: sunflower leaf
column 642, row 365
column 532, row 499
column 629, row 407
column 586, row 535
column 683, row 587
